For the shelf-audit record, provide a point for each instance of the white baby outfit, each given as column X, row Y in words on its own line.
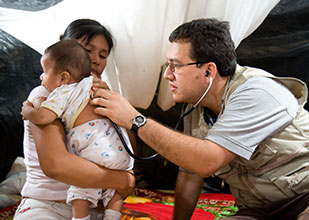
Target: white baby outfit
column 96, row 140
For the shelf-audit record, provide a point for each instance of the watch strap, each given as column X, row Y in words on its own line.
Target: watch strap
column 134, row 129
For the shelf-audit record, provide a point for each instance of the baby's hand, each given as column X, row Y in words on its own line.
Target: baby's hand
column 27, row 106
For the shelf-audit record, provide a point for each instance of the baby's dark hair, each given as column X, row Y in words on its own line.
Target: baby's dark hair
column 87, row 28
column 70, row 56
column 210, row 42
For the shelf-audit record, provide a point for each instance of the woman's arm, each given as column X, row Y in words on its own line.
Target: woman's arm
column 57, row 163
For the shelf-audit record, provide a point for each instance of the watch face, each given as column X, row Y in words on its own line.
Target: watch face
column 139, row 119
column 137, row 122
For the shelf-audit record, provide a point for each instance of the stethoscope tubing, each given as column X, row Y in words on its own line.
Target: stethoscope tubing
column 127, row 148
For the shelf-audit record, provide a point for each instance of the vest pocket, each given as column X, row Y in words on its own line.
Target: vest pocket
column 293, row 182
column 299, row 180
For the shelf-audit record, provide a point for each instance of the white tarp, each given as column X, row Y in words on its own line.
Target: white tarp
column 140, row 28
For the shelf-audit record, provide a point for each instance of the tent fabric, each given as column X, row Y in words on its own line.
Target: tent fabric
column 281, row 44
column 141, row 30
column 19, row 73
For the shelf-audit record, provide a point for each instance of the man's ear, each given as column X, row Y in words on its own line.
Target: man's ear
column 211, row 70
column 65, row 77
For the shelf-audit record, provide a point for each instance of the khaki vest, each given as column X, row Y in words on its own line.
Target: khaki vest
column 279, row 168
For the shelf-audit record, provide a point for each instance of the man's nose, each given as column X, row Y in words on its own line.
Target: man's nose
column 167, row 73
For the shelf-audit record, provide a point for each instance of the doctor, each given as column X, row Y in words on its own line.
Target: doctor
column 242, row 124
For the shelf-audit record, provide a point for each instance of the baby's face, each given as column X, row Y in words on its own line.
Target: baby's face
column 50, row 79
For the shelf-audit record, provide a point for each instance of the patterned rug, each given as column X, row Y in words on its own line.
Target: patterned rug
column 157, row 205
column 148, row 204
column 8, row 213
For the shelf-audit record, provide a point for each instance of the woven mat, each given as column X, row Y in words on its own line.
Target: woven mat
column 8, row 213
column 148, row 204
column 157, row 205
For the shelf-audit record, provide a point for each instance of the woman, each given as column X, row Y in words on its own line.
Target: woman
column 54, row 159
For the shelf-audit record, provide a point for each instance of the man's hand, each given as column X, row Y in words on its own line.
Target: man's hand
column 114, row 106
column 26, row 108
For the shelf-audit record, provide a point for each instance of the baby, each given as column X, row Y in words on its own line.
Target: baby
column 66, row 75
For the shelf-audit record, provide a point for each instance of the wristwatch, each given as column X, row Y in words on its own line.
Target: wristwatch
column 137, row 122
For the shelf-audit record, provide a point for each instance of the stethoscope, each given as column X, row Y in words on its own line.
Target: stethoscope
column 178, row 122
column 127, row 148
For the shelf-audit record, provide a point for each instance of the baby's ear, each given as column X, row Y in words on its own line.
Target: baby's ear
column 65, row 77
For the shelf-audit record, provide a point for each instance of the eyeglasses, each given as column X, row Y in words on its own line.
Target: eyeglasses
column 173, row 66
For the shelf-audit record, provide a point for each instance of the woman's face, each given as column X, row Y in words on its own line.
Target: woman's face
column 97, row 49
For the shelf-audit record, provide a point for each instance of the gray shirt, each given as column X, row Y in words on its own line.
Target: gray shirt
column 255, row 110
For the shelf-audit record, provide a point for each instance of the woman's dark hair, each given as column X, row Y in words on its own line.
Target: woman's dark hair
column 70, row 56
column 210, row 42
column 87, row 28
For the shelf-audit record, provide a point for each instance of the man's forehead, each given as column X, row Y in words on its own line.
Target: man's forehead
column 178, row 50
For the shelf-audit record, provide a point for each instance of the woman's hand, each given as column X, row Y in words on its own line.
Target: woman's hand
column 98, row 83
column 131, row 185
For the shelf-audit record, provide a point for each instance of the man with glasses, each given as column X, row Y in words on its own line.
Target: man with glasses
column 242, row 124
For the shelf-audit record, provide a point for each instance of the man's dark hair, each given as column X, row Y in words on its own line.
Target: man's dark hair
column 70, row 56
column 210, row 42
